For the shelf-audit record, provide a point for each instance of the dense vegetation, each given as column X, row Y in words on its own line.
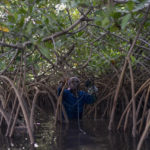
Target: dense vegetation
column 43, row 41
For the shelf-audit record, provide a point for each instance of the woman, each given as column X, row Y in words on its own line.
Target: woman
column 75, row 99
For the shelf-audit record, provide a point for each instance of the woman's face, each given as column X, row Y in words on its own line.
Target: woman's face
column 74, row 84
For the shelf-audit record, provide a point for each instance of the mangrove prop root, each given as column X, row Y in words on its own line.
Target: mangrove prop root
column 14, row 121
column 59, row 109
column 133, row 101
column 123, row 71
column 11, row 117
column 32, row 110
column 145, row 132
column 145, row 105
column 25, row 114
column 143, row 86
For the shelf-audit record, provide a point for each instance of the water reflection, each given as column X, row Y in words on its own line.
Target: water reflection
column 69, row 137
column 15, row 143
column 97, row 137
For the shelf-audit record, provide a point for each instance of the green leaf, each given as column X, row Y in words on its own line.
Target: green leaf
column 7, row 2
column 21, row 22
column 116, row 15
column 133, row 59
column 11, row 19
column 46, row 21
column 2, row 65
column 29, row 28
column 22, row 11
column 18, row 58
column 98, row 20
column 59, row 43
column 130, row 5
column 125, row 21
column 74, row 4
column 105, row 22
column 113, row 28
column 140, row 6
column 84, row 4
column 36, row 67
column 64, row 1
column 45, row 51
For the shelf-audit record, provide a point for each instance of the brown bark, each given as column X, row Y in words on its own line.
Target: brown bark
column 145, row 132
column 133, row 100
column 60, row 108
column 144, row 109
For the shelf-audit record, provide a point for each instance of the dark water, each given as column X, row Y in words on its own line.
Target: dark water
column 68, row 137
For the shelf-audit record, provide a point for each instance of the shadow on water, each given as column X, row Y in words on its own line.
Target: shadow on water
column 68, row 137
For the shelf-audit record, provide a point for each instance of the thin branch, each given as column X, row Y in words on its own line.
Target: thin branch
column 69, row 15
column 11, row 61
column 120, row 37
column 55, row 35
column 16, row 46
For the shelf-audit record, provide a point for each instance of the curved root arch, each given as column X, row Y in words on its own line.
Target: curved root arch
column 19, row 98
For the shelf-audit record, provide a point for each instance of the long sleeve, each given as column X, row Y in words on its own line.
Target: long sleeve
column 59, row 91
column 89, row 99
